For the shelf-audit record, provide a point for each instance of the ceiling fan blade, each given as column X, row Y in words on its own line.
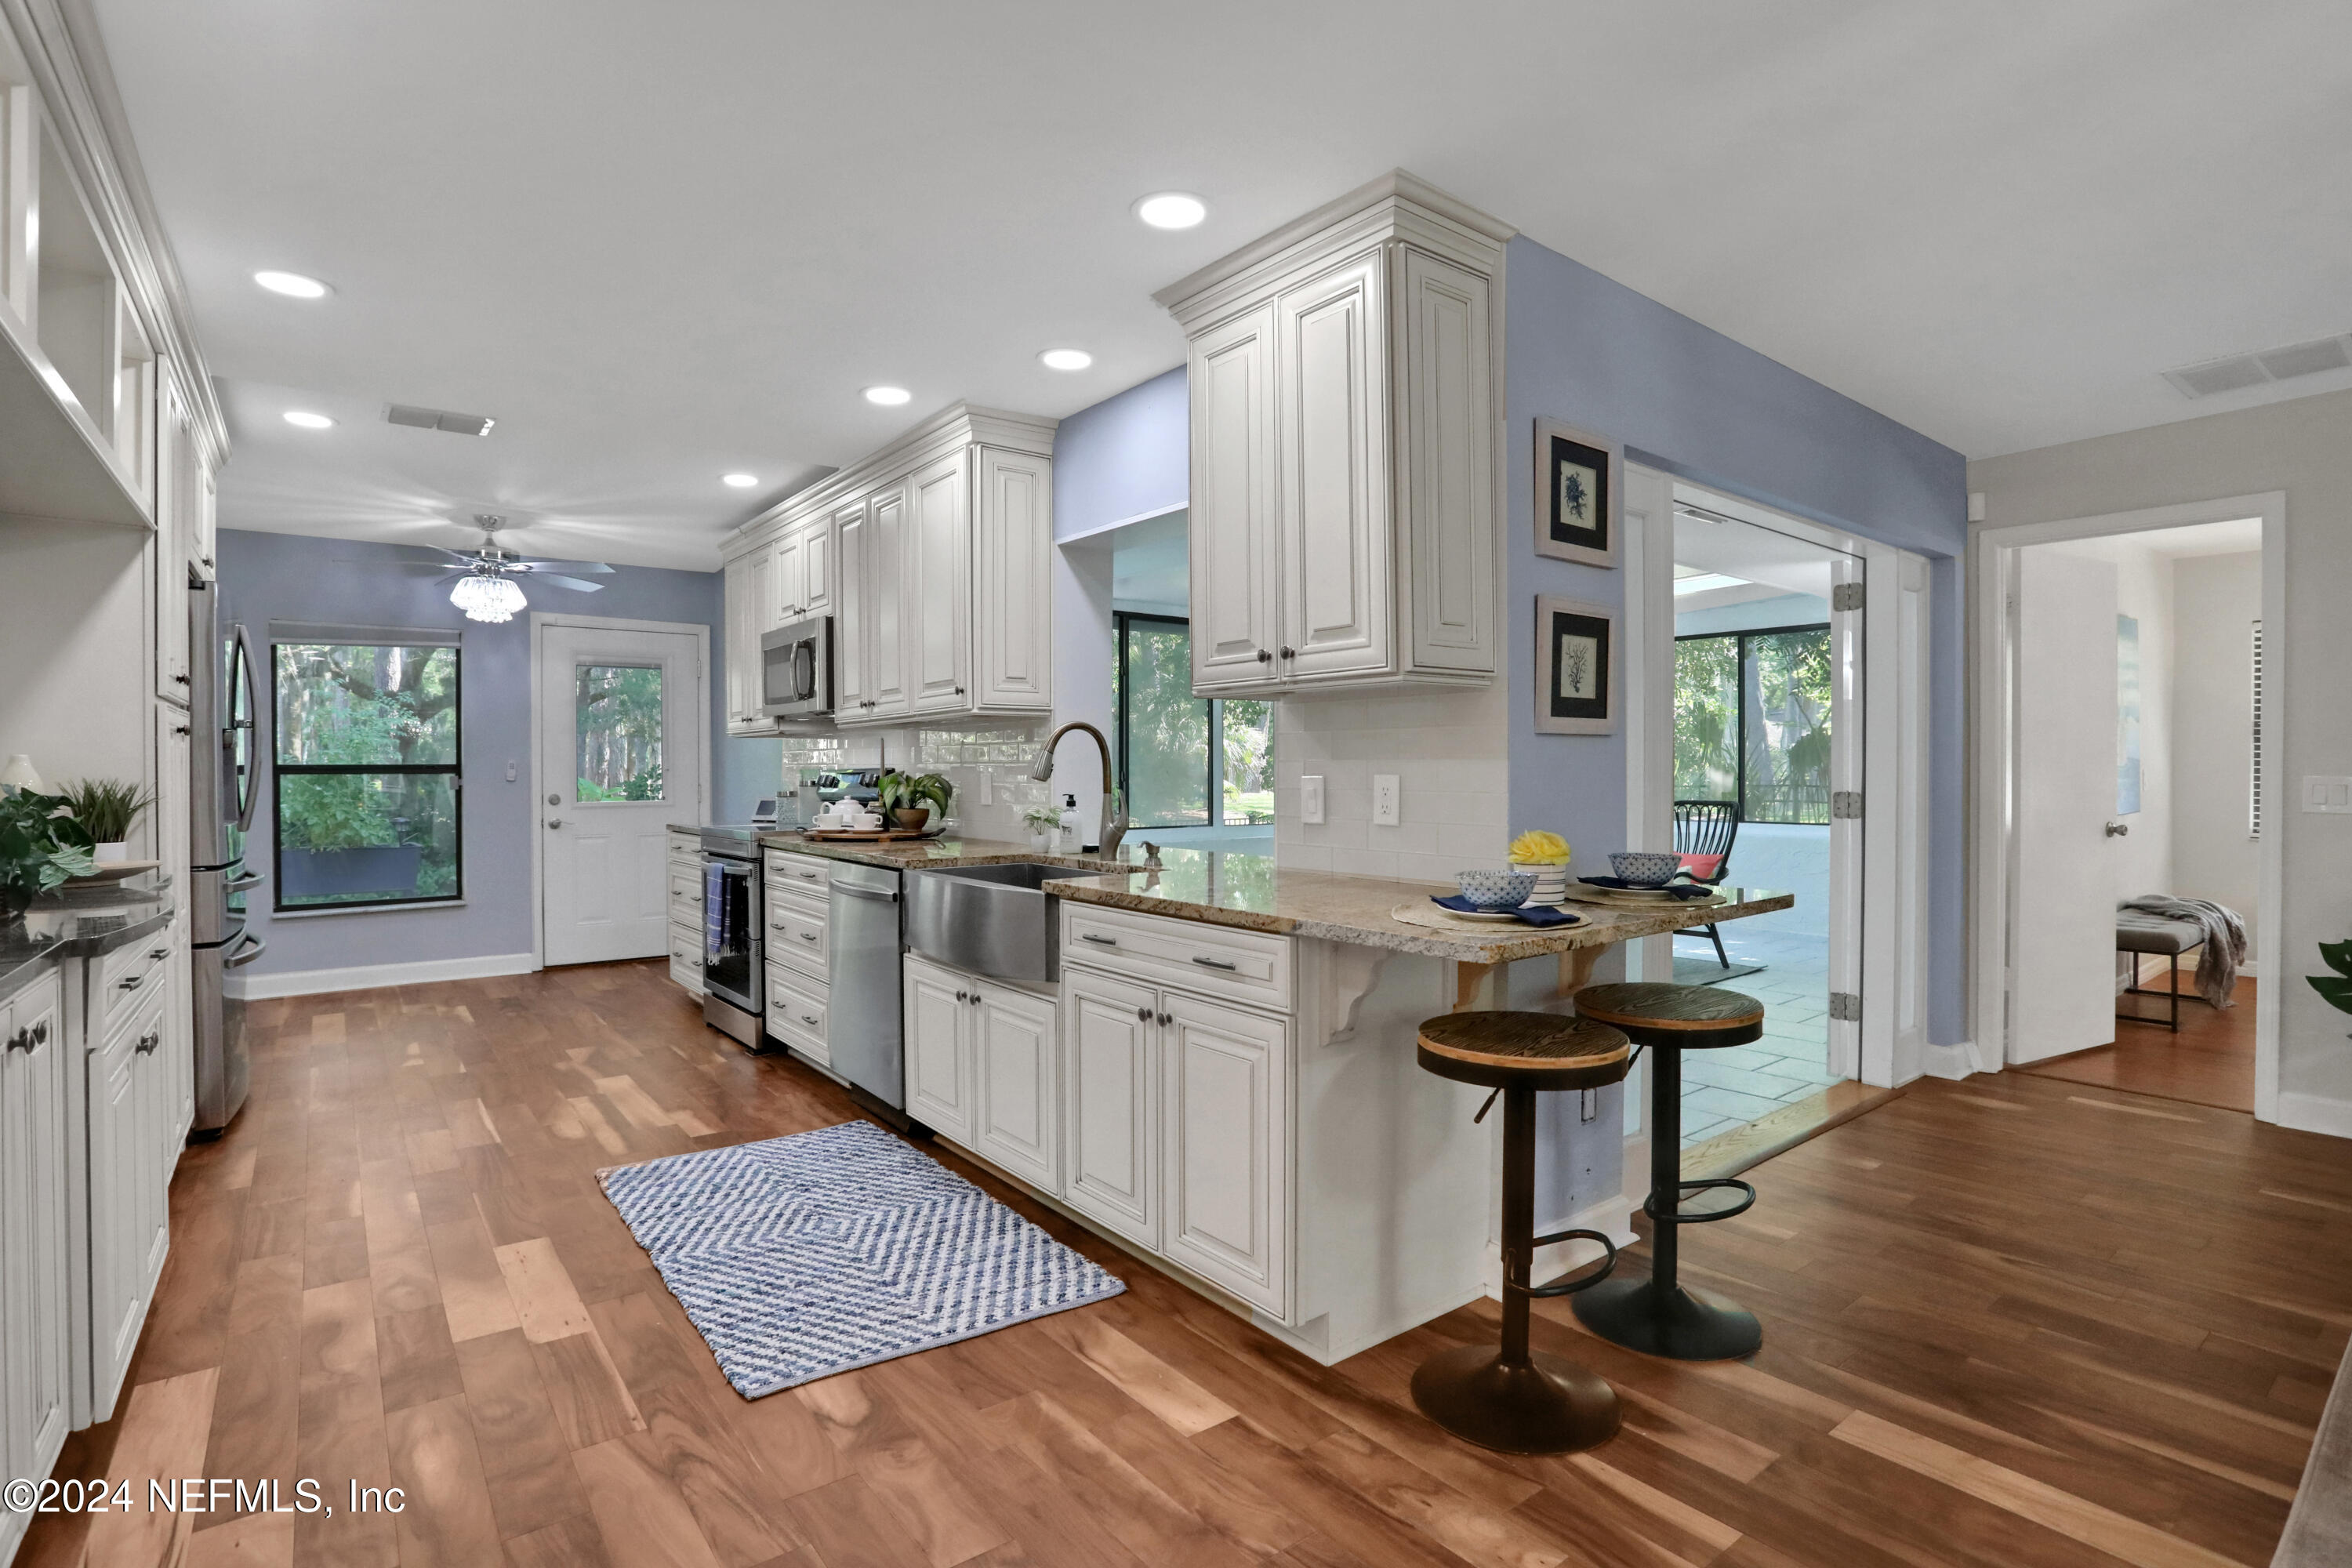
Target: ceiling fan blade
column 534, row 564
column 443, row 556
column 569, row 583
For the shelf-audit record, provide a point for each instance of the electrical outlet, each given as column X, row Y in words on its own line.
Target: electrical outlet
column 2326, row 791
column 1310, row 798
column 1386, row 801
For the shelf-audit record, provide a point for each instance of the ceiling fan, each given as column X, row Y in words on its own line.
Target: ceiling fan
column 486, row 588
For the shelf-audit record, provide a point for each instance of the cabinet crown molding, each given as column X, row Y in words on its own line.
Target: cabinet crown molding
column 958, row 425
column 1397, row 205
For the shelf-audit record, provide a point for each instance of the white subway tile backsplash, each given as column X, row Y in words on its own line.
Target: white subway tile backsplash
column 1364, row 862
column 1306, row 856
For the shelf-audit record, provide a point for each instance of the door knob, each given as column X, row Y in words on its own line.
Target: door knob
column 2118, row 829
column 555, row 822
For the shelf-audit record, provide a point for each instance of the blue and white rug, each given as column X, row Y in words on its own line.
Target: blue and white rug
column 800, row 1256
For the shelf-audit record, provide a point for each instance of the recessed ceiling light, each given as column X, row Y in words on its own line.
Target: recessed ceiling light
column 888, row 396
column 1171, row 209
column 741, row 481
column 307, row 420
column 1066, row 359
column 291, row 284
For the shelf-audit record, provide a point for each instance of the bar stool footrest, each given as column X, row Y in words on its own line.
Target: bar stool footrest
column 1650, row 1204
column 1569, row 1288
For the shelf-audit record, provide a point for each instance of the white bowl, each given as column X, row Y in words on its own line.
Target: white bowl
column 1496, row 889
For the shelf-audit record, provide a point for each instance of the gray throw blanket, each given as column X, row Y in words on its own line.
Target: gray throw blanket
column 2225, row 939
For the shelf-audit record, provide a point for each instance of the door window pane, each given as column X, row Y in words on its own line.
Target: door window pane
column 1163, row 728
column 618, row 709
column 1706, row 719
column 1787, row 683
column 1248, row 727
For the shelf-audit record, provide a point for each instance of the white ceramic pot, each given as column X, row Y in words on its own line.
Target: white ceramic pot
column 1551, row 884
column 105, row 854
column 1038, row 843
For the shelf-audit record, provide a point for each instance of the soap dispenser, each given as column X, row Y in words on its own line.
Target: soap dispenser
column 1066, row 841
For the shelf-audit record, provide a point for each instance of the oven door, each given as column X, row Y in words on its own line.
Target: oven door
column 730, row 931
column 796, row 670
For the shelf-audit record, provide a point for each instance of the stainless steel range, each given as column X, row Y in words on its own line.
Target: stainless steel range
column 734, row 972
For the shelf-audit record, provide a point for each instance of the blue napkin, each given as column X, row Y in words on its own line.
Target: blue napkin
column 1684, row 890
column 1527, row 914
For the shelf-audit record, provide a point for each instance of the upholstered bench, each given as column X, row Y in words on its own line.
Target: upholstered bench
column 2137, row 932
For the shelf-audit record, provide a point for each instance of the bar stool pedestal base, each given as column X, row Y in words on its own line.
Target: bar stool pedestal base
column 1544, row 1405
column 1679, row 1324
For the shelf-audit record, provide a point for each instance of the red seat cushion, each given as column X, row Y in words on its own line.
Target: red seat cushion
column 1705, row 868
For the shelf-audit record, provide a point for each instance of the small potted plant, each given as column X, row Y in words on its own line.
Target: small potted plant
column 107, row 809
column 908, row 799
column 1546, row 856
column 40, row 847
column 1043, row 821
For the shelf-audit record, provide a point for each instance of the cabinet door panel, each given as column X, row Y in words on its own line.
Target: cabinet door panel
column 1448, row 478
column 882, row 579
column 176, row 491
column 939, row 572
column 1234, row 556
column 1226, row 1132
column 852, row 622
column 1011, row 598
column 736, row 587
column 1111, row 1102
column 1334, row 465
column 1015, row 1059
column 817, row 567
column 118, row 1233
column 786, row 581
column 35, row 1348
column 939, row 1064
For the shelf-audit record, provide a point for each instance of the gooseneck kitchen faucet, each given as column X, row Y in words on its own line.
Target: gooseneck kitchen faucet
column 1114, row 816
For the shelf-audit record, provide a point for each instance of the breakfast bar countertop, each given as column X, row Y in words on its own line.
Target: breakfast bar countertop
column 1253, row 893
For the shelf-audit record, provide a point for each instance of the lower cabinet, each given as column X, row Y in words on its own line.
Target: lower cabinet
column 981, row 1068
column 36, row 1326
column 1178, row 1114
column 131, row 1102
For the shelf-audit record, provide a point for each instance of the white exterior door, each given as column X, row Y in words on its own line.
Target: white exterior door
column 1110, row 1081
column 621, row 752
column 1014, row 1060
column 939, row 1064
column 1234, row 556
column 2062, row 915
column 1224, row 1137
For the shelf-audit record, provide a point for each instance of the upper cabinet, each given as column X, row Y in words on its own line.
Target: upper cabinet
column 934, row 559
column 1346, row 378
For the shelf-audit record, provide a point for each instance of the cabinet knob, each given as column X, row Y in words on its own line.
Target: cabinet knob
column 1290, row 653
column 180, row 679
column 961, row 996
column 959, row 691
column 40, row 1033
column 1143, row 1015
column 1263, row 656
column 975, row 998
column 148, row 1042
column 22, row 1040
column 1164, row 1020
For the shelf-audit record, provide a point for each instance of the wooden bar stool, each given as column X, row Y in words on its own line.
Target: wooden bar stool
column 1660, row 1315
column 1510, row 1397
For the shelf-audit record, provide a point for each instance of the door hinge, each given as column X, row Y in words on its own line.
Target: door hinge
column 1846, row 1006
column 1846, row 596
column 1844, row 803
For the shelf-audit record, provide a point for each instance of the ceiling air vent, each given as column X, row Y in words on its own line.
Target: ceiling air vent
column 438, row 419
column 2238, row 370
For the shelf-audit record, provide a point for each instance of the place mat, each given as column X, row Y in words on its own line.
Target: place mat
column 1435, row 919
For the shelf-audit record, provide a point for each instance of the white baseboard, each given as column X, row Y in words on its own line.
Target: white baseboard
column 1954, row 1061
column 376, row 976
column 2315, row 1113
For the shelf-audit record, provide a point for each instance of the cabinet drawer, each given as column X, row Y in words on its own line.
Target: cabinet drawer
column 796, row 938
column 1215, row 960
column 686, row 946
column 796, row 1011
column 788, row 871
column 129, row 974
column 686, row 897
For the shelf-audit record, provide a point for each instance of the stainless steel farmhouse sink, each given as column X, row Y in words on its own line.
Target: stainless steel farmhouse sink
column 989, row 920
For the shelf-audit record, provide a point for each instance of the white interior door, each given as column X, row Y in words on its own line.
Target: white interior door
column 2061, row 910
column 620, row 759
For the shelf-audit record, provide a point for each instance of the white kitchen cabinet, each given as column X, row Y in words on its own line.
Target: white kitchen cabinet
column 1346, row 395
column 1110, row 1086
column 939, row 1056
column 35, row 1339
column 736, row 585
column 817, row 597
column 1016, row 1080
column 178, row 477
column 1225, row 1133
column 1013, row 581
column 129, row 1197
column 787, row 581
column 937, row 581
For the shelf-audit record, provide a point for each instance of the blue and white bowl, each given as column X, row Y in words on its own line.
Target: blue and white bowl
column 1496, row 889
column 1644, row 868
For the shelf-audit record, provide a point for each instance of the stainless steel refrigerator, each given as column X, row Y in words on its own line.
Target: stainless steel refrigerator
column 222, row 772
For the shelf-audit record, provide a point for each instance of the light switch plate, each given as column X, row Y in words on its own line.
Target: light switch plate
column 1310, row 797
column 1385, row 800
column 2327, row 792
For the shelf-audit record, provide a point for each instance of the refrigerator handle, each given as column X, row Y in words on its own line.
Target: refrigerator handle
column 252, row 948
column 239, row 884
column 250, row 783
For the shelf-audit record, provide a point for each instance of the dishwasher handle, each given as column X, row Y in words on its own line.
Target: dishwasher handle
column 884, row 894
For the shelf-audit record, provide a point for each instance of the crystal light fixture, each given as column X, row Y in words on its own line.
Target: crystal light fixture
column 486, row 598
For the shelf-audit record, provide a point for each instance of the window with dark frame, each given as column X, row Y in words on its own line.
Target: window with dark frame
column 1170, row 773
column 366, row 786
column 1752, row 721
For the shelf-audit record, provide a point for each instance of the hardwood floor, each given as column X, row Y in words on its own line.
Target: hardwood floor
column 2009, row 1322
column 2209, row 1062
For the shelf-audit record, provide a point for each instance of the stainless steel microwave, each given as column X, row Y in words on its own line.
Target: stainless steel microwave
column 796, row 670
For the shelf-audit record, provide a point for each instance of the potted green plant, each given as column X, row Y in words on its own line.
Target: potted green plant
column 908, row 799
column 40, row 845
column 107, row 810
column 1044, row 822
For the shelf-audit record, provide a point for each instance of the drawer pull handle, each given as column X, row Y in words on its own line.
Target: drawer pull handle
column 148, row 1042
column 778, row 925
column 810, row 1020
column 159, row 953
column 133, row 981
column 808, row 936
column 1098, row 941
column 1227, row 964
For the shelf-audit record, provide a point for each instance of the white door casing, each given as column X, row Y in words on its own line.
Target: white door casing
column 603, row 864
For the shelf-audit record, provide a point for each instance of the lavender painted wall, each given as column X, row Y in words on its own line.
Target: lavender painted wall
column 1685, row 399
column 1125, row 457
column 286, row 577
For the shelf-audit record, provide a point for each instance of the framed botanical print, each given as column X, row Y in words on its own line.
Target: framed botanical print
column 1579, row 478
column 1577, row 678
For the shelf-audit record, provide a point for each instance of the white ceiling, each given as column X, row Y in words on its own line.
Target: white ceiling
column 1773, row 562
column 657, row 243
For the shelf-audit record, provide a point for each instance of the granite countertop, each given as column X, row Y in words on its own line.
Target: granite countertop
column 948, row 850
column 81, row 922
column 1253, row 893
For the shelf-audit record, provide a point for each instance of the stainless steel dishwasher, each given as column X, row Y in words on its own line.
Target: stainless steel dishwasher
column 863, row 1028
